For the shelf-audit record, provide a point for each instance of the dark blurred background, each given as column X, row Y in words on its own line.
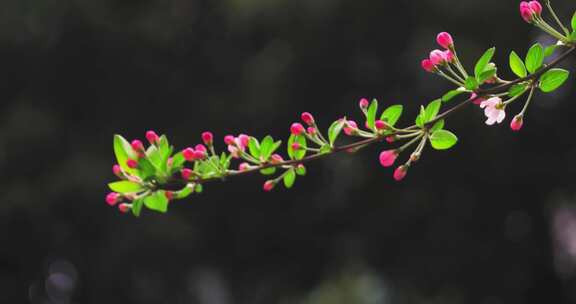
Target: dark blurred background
column 493, row 221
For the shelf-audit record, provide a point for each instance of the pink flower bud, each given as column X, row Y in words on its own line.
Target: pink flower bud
column 229, row 140
column 296, row 129
column 526, row 12
column 152, row 137
column 269, row 185
column 517, row 123
column 117, row 170
column 387, row 158
column 200, row 147
column 380, row 125
column 390, row 139
column 169, row 195
column 427, row 65
column 536, row 7
column 437, row 57
column 124, row 208
column 132, row 164
column 311, row 130
column 207, row 138
column 188, row 154
column 400, row 173
column 351, row 128
column 307, row 118
column 199, row 155
column 476, row 100
column 137, row 145
column 363, row 103
column 276, row 158
column 296, row 146
column 186, row 174
column 113, row 198
column 449, row 55
column 244, row 166
column 243, row 140
column 445, row 40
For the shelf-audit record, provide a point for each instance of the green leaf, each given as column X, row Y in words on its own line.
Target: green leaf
column 483, row 62
column 432, row 109
column 549, row 50
column 421, row 118
column 254, row 147
column 124, row 151
column 334, row 130
column 301, row 140
column 517, row 89
column 439, row 125
column 392, row 114
column 178, row 161
column 471, row 83
column 325, row 149
column 574, row 22
column 185, row 192
column 573, row 36
column 371, row 114
column 553, row 79
column 443, row 139
column 125, row 187
column 534, row 58
column 451, row 94
column 301, row 170
column 266, row 147
column 146, row 168
column 199, row 188
column 488, row 74
column 289, row 178
column 517, row 65
column 268, row 171
column 157, row 201
column 137, row 206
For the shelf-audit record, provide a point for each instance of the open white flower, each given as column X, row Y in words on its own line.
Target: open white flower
column 494, row 110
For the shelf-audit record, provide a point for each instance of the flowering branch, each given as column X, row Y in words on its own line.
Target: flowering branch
column 155, row 175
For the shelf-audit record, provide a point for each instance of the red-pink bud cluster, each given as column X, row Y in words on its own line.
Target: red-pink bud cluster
column 439, row 57
column 530, row 10
column 236, row 145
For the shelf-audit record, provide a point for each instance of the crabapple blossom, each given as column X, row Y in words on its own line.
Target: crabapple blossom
column 152, row 137
column 307, row 118
column 113, row 198
column 400, row 173
column 388, row 157
column 445, row 40
column 494, row 110
column 517, row 122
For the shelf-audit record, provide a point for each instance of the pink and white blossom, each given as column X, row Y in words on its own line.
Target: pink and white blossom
column 494, row 110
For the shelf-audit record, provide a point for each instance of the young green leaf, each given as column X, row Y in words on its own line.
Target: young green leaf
column 573, row 36
column 392, row 114
column 334, row 130
column 124, row 151
column 301, row 152
column 471, row 83
column 451, row 94
column 371, row 114
column 137, row 206
column 268, row 171
column 266, row 147
column 125, row 187
column 254, row 147
column 549, row 50
column 517, row 65
column 443, row 139
column 157, row 201
column 289, row 178
column 553, row 79
column 432, row 109
column 483, row 62
column 301, row 170
column 421, row 118
column 488, row 74
column 534, row 58
column 517, row 89
column 439, row 125
column 574, row 22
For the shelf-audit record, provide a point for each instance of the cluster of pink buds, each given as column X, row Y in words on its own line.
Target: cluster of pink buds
column 193, row 154
column 236, row 145
column 388, row 158
column 530, row 10
column 439, row 57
